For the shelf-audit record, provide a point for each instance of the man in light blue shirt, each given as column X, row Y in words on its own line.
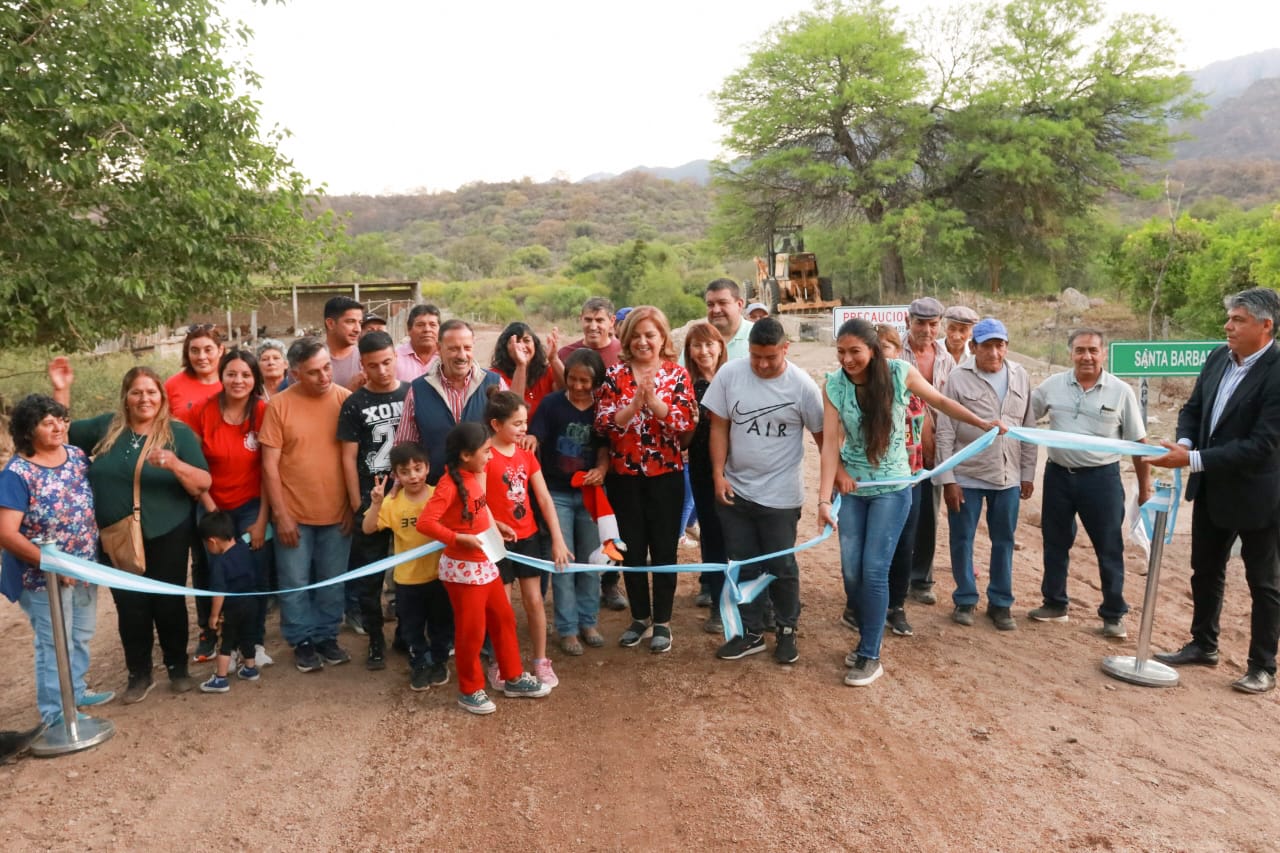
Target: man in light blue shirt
column 1088, row 401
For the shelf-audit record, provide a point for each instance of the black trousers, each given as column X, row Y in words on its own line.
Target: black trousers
column 648, row 511
column 142, row 617
column 1096, row 495
column 1210, row 550
column 426, row 621
column 239, row 626
column 926, row 539
column 900, row 567
column 752, row 530
column 367, row 548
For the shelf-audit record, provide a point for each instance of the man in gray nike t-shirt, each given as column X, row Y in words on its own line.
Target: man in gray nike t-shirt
column 760, row 407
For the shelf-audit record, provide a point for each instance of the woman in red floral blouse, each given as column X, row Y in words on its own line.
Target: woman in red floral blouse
column 644, row 407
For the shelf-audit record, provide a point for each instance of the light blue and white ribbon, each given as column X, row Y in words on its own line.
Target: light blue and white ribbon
column 734, row 594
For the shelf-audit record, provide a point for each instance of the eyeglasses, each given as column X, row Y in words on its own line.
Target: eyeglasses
column 200, row 327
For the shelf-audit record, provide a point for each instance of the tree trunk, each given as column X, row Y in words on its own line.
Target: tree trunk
column 994, row 266
column 893, row 276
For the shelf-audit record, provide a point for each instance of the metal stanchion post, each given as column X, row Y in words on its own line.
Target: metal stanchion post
column 1137, row 669
column 74, row 733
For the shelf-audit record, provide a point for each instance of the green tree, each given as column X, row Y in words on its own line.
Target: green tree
column 135, row 182
column 988, row 134
column 369, row 256
column 1155, row 264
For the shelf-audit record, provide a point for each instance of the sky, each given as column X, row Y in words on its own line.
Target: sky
column 398, row 96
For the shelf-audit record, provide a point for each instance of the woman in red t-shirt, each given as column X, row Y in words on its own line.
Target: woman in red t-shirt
column 644, row 408
column 227, row 425
column 529, row 367
column 198, row 379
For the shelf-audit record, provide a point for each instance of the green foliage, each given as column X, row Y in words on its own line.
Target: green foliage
column 135, row 182
column 566, row 219
column 987, row 138
column 532, row 258
column 1195, row 264
column 97, row 390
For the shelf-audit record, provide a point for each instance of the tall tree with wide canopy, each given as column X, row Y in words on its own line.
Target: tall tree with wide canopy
column 989, row 130
column 135, row 182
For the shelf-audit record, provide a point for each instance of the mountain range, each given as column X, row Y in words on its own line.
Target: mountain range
column 1242, row 122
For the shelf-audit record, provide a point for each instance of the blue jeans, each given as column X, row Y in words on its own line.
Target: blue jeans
column 870, row 527
column 575, row 596
column 80, row 617
column 321, row 554
column 1002, row 518
column 688, row 510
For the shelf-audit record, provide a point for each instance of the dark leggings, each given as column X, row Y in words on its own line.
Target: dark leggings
column 142, row 617
column 900, row 567
column 648, row 511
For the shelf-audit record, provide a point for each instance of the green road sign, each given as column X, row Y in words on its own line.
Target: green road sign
column 1159, row 358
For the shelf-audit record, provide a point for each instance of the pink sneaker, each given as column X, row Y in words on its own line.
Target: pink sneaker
column 542, row 669
column 495, row 680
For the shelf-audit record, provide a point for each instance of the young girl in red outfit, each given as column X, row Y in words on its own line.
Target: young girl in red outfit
column 514, row 476
column 456, row 515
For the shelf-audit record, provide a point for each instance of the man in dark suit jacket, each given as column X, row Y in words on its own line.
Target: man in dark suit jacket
column 1229, row 436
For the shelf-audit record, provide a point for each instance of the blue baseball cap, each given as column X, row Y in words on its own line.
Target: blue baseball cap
column 988, row 328
column 622, row 314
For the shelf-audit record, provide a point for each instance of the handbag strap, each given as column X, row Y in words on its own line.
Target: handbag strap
column 137, row 487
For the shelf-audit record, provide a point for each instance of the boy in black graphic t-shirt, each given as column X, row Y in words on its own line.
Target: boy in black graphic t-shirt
column 367, row 429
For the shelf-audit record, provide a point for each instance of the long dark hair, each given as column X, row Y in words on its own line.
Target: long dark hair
column 466, row 437
column 259, row 390
column 503, row 361
column 875, row 396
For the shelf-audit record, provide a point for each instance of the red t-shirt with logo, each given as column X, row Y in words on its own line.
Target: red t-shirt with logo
column 232, row 451
column 186, row 394
column 510, row 498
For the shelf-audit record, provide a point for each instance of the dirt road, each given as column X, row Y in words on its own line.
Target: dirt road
column 973, row 739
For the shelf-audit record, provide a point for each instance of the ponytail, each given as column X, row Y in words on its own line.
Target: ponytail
column 466, row 437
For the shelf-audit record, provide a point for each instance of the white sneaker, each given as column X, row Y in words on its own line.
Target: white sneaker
column 260, row 655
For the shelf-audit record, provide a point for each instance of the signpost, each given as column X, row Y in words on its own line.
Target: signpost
column 894, row 315
column 1159, row 358
column 1145, row 359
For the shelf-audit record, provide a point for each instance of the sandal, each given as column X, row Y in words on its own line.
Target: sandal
column 592, row 637
column 571, row 645
column 635, row 632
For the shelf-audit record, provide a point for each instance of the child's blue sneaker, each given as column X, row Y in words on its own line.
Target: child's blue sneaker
column 88, row 700
column 477, row 703
column 526, row 686
column 247, row 673
column 216, row 684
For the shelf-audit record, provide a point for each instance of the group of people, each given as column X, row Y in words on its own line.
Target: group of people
column 264, row 479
